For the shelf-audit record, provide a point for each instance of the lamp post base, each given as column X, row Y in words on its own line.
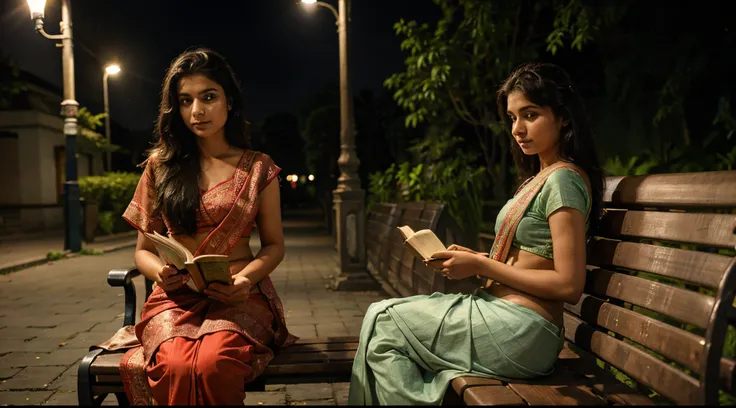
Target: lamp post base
column 350, row 273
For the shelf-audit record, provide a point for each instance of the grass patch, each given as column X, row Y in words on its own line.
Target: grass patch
column 91, row 252
column 54, row 256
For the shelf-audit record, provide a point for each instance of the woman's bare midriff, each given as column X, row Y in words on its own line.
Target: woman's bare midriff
column 240, row 256
column 549, row 309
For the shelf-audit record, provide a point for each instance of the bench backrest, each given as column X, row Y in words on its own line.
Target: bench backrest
column 381, row 219
column 401, row 262
column 660, row 287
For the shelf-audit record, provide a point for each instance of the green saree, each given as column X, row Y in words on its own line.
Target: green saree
column 411, row 348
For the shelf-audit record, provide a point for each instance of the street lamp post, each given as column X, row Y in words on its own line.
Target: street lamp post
column 112, row 69
column 69, row 109
column 348, row 197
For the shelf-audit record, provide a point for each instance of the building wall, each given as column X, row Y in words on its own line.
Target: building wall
column 39, row 170
column 9, row 169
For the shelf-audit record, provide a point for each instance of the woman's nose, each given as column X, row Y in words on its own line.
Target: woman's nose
column 197, row 109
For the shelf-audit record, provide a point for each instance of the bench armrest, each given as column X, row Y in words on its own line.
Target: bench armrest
column 124, row 278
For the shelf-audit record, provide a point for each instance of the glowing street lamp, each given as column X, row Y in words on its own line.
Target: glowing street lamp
column 69, row 109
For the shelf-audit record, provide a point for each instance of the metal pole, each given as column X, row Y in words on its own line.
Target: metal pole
column 348, row 159
column 108, row 155
column 348, row 197
column 69, row 108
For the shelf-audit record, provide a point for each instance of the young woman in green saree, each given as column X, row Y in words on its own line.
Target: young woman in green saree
column 411, row 348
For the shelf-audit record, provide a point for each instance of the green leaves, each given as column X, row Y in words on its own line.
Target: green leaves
column 579, row 23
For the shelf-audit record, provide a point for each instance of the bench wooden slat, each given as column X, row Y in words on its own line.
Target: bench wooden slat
column 107, row 364
column 700, row 268
column 428, row 216
column 602, row 381
column 491, row 395
column 323, row 340
column 563, row 389
column 645, row 368
column 331, row 368
column 315, row 357
column 460, row 384
column 704, row 229
column 682, row 304
column 108, row 379
column 671, row 342
column 319, row 347
column 685, row 190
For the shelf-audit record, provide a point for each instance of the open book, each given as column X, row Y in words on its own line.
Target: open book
column 423, row 243
column 203, row 269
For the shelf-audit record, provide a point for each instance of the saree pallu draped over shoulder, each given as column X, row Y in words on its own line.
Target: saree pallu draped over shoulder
column 183, row 313
column 411, row 348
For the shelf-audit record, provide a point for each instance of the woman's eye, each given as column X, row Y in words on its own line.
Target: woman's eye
column 530, row 115
column 210, row 97
column 185, row 101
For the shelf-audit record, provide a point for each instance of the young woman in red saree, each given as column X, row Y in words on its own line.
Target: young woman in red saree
column 204, row 186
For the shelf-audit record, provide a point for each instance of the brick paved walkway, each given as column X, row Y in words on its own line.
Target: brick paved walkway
column 50, row 314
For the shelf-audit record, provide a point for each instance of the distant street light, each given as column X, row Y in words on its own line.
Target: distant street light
column 348, row 197
column 112, row 69
column 69, row 109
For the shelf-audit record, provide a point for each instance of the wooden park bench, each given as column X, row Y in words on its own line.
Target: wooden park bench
column 665, row 335
column 671, row 226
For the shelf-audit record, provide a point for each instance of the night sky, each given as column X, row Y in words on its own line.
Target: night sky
column 280, row 50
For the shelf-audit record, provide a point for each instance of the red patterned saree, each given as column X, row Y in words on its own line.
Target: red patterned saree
column 227, row 212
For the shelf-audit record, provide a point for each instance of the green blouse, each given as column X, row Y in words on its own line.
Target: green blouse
column 563, row 188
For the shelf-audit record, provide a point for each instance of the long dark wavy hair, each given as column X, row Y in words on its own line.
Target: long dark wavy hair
column 176, row 151
column 548, row 85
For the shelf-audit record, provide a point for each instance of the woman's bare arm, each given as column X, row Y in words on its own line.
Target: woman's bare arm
column 147, row 260
column 271, row 232
column 566, row 282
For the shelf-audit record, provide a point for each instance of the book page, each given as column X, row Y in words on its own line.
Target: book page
column 188, row 257
column 169, row 251
column 406, row 231
column 426, row 243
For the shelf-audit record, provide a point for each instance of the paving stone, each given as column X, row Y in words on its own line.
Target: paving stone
column 37, row 345
column 12, row 345
column 265, row 398
column 309, row 392
column 322, row 312
column 323, row 402
column 23, row 397
column 353, row 328
column 110, row 400
column 25, row 359
column 67, row 381
column 87, row 339
column 22, row 333
column 65, row 331
column 33, row 378
column 8, row 372
column 63, row 398
column 303, row 330
column 331, row 330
